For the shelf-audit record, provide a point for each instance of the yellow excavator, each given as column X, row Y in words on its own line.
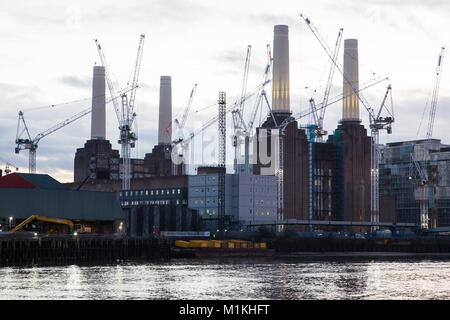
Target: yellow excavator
column 78, row 227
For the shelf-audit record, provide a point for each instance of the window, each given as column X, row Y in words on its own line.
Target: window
column 179, row 191
column 146, row 192
column 173, row 191
column 151, row 192
column 157, row 192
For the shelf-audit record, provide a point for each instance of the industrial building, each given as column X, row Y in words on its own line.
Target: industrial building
column 23, row 195
column 249, row 199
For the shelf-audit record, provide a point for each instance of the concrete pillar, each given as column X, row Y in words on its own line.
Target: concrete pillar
column 145, row 221
column 350, row 104
column 98, row 114
column 156, row 219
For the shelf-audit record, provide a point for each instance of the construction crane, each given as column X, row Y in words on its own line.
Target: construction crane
column 8, row 166
column 435, row 94
column 125, row 113
column 245, row 129
column 376, row 121
column 419, row 178
column 32, row 143
column 179, row 147
column 318, row 117
column 179, row 124
column 238, row 121
column 417, row 173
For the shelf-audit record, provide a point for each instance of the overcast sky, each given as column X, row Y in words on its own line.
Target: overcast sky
column 47, row 53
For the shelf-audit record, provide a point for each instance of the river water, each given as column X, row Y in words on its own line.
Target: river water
column 232, row 279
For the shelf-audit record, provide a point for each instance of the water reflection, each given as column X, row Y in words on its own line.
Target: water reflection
column 232, row 279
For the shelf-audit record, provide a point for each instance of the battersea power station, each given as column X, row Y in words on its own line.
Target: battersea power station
column 327, row 180
column 292, row 177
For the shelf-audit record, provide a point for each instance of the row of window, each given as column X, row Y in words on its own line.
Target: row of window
column 135, row 193
column 151, row 202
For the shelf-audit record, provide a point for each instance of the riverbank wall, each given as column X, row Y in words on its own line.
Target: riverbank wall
column 23, row 249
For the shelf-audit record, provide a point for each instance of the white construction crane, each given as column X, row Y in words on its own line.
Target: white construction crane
column 32, row 143
column 318, row 117
column 419, row 177
column 377, row 122
column 180, row 124
column 125, row 113
column 179, row 147
column 434, row 97
column 8, row 166
column 236, row 114
column 417, row 174
column 179, row 131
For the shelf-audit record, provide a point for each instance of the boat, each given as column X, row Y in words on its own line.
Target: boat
column 220, row 248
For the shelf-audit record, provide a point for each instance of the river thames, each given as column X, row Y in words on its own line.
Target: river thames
column 275, row 279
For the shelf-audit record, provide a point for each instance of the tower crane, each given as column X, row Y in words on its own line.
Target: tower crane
column 318, row 117
column 377, row 123
column 419, row 177
column 180, row 146
column 417, row 173
column 31, row 144
column 435, row 94
column 180, row 124
column 238, row 121
column 180, row 128
column 8, row 165
column 125, row 113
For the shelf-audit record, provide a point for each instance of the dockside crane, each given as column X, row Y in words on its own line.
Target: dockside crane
column 23, row 138
column 125, row 112
column 377, row 123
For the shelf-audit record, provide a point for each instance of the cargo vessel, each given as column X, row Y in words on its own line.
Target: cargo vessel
column 220, row 248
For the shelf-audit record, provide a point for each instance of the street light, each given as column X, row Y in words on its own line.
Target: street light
column 10, row 222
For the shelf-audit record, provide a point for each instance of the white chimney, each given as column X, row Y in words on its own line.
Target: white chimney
column 98, row 115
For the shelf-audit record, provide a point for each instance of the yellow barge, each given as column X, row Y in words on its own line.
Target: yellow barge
column 221, row 248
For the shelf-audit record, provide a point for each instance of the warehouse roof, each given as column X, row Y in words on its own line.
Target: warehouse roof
column 30, row 181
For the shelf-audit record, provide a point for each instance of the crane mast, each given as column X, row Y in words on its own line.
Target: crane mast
column 238, row 122
column 435, row 94
column 417, row 174
column 125, row 113
column 318, row 118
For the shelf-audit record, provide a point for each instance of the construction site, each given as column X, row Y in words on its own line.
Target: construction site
column 285, row 176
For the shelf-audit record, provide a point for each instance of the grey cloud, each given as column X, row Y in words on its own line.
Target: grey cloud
column 77, row 81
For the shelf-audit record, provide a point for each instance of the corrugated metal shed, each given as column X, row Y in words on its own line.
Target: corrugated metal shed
column 59, row 203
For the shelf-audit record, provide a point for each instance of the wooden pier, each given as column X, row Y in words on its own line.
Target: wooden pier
column 25, row 249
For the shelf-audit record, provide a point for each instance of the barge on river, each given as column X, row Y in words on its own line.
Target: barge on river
column 220, row 248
